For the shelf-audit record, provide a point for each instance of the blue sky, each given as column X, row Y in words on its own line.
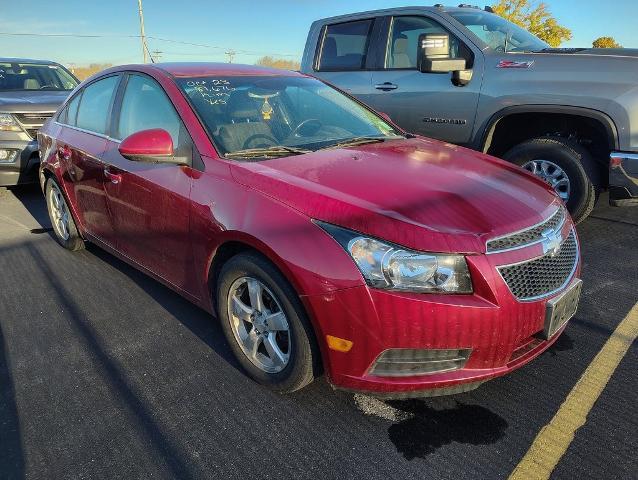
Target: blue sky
column 252, row 28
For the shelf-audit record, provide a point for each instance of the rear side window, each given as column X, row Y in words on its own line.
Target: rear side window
column 344, row 46
column 70, row 112
column 94, row 107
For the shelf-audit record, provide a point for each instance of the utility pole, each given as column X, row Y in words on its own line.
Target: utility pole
column 230, row 54
column 156, row 55
column 142, row 35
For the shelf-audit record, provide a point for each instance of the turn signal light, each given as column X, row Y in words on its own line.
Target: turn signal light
column 339, row 344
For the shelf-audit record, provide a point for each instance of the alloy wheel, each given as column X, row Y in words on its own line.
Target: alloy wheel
column 552, row 174
column 59, row 212
column 259, row 324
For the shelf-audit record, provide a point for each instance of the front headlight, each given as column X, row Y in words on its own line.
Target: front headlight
column 388, row 266
column 8, row 123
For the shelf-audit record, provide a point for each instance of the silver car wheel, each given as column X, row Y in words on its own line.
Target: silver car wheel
column 59, row 212
column 259, row 324
column 552, row 174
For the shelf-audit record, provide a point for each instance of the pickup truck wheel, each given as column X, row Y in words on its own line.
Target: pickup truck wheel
column 64, row 229
column 265, row 323
column 566, row 166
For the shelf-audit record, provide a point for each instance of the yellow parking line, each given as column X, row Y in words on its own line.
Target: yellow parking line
column 552, row 441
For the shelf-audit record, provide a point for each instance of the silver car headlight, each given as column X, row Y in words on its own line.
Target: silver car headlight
column 8, row 123
column 388, row 266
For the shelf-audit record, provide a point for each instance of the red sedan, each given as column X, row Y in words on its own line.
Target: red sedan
column 321, row 235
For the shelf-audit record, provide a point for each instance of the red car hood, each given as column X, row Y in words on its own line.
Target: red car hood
column 419, row 193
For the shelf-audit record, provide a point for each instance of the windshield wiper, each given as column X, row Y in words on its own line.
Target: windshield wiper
column 351, row 142
column 274, row 151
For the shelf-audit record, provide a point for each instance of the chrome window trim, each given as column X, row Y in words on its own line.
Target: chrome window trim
column 523, row 230
column 73, row 127
column 570, row 277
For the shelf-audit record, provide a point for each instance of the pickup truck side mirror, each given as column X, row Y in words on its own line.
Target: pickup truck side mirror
column 433, row 56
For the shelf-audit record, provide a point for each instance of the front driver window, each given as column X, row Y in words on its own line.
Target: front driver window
column 145, row 106
column 404, row 39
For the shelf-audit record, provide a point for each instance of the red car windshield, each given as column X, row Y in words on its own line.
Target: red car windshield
column 279, row 113
column 32, row 76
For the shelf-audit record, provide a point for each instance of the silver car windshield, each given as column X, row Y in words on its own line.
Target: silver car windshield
column 264, row 115
column 34, row 76
column 500, row 34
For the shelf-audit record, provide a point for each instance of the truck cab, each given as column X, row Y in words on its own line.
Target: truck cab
column 469, row 77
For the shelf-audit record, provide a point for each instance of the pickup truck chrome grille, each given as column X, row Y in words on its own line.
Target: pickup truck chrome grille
column 529, row 236
column 542, row 276
column 32, row 121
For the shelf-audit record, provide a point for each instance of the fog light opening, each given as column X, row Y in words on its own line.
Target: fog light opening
column 7, row 156
column 407, row 362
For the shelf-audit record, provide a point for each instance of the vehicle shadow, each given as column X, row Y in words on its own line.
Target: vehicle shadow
column 195, row 319
column 198, row 321
column 11, row 455
column 131, row 403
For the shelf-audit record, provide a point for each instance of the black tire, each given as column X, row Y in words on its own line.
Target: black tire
column 574, row 160
column 74, row 241
column 304, row 356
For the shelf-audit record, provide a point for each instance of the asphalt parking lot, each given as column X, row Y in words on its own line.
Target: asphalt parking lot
column 105, row 373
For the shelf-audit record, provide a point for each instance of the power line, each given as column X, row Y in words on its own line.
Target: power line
column 159, row 39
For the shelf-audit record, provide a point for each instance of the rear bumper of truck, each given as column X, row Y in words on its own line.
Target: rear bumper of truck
column 623, row 179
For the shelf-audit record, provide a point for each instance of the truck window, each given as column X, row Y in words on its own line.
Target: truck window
column 404, row 38
column 344, row 46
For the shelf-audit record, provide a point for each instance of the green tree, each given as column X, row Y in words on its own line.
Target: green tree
column 534, row 17
column 606, row 42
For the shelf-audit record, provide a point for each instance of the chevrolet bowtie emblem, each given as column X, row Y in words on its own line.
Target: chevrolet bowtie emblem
column 552, row 241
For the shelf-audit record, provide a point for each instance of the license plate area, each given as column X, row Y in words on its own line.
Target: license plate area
column 560, row 309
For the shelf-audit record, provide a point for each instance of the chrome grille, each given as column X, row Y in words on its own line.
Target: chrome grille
column 542, row 276
column 32, row 121
column 528, row 236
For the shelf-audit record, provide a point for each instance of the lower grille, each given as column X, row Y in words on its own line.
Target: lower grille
column 542, row 276
column 405, row 362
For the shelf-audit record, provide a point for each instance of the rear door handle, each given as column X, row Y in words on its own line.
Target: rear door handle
column 113, row 177
column 386, row 86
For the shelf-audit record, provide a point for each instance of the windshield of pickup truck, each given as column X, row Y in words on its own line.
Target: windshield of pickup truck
column 267, row 116
column 33, row 76
column 500, row 34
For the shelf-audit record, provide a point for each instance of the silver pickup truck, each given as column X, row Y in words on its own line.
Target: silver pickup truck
column 469, row 77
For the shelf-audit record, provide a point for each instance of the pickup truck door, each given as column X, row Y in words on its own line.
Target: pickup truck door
column 428, row 104
column 344, row 55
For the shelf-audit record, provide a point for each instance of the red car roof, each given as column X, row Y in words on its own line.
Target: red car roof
column 200, row 69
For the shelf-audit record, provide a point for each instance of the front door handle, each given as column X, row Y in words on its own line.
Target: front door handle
column 386, row 86
column 113, row 177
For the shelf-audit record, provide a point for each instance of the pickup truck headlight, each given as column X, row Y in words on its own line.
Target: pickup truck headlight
column 388, row 266
column 8, row 123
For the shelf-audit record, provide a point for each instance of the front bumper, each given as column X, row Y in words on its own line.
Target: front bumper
column 24, row 167
column 502, row 332
column 623, row 179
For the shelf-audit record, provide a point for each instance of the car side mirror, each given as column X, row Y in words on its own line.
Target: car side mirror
column 385, row 116
column 433, row 54
column 152, row 146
